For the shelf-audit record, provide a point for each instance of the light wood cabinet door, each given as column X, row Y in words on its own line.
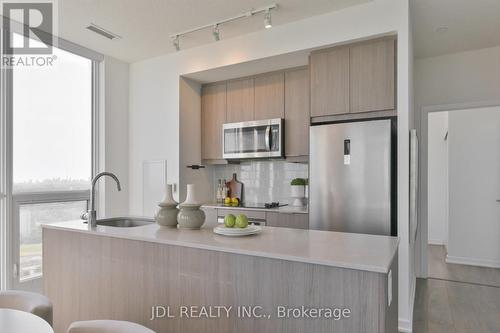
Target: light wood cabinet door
column 269, row 96
column 329, row 82
column 240, row 100
column 213, row 116
column 297, row 115
column 372, row 76
column 288, row 220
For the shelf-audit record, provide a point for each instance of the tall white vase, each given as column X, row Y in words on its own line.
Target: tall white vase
column 167, row 215
column 191, row 195
column 190, row 215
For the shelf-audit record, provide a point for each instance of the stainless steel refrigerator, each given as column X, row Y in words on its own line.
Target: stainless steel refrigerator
column 352, row 177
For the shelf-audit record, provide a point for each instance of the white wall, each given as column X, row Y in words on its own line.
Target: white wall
column 114, row 148
column 474, row 172
column 438, row 178
column 154, row 96
column 463, row 77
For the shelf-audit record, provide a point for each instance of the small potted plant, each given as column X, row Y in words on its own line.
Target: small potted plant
column 298, row 186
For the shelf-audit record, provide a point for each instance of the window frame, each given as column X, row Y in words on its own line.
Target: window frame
column 9, row 202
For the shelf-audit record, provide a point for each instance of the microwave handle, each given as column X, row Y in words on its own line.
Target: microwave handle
column 268, row 138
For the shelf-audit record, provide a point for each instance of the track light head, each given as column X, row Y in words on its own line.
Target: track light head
column 216, row 32
column 175, row 42
column 267, row 19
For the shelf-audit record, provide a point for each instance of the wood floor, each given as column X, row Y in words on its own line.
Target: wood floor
column 455, row 307
column 439, row 269
column 456, row 298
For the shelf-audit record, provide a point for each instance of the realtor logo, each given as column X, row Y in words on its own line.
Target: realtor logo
column 34, row 20
column 28, row 31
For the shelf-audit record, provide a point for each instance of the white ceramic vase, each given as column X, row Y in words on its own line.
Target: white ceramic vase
column 167, row 214
column 297, row 192
column 190, row 215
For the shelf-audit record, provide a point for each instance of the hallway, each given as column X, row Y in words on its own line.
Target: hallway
column 456, row 298
column 438, row 269
column 455, row 307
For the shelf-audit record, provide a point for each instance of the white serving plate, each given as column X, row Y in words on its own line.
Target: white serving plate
column 236, row 232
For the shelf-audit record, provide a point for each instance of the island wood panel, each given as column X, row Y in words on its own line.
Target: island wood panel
column 213, row 116
column 240, row 100
column 329, row 75
column 98, row 277
column 288, row 220
column 372, row 75
column 269, row 96
column 297, row 115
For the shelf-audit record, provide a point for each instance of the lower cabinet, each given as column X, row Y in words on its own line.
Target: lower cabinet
column 288, row 220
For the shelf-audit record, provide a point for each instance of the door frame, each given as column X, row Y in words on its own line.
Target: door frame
column 5, row 174
column 422, row 231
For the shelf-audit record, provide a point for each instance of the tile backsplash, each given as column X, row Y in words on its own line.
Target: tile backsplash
column 263, row 181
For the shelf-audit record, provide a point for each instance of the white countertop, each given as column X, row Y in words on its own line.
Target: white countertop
column 337, row 249
column 282, row 209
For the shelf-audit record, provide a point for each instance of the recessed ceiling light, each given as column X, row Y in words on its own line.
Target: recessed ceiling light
column 441, row 29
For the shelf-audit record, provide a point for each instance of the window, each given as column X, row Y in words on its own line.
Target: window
column 52, row 125
column 31, row 217
column 49, row 116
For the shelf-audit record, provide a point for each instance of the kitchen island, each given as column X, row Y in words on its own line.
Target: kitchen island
column 282, row 280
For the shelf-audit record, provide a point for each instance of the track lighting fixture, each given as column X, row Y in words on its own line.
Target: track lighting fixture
column 267, row 19
column 216, row 32
column 215, row 26
column 175, row 41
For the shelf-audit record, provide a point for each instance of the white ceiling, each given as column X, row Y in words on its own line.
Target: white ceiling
column 472, row 24
column 146, row 25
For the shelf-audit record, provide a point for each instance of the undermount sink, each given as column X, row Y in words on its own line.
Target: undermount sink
column 125, row 222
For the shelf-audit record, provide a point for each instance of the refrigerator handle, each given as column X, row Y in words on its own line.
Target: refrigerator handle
column 268, row 138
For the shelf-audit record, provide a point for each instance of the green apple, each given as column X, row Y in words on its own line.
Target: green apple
column 242, row 221
column 229, row 220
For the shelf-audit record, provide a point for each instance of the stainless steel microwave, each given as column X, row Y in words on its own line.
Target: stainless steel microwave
column 253, row 139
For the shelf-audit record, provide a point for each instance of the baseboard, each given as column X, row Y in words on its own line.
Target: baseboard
column 404, row 325
column 472, row 261
column 435, row 242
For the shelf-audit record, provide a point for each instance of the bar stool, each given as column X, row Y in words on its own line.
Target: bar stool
column 107, row 326
column 34, row 303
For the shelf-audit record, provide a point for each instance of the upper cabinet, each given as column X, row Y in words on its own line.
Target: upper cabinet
column 297, row 113
column 240, row 100
column 372, row 76
column 269, row 96
column 330, row 82
column 353, row 78
column 213, row 116
column 346, row 80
